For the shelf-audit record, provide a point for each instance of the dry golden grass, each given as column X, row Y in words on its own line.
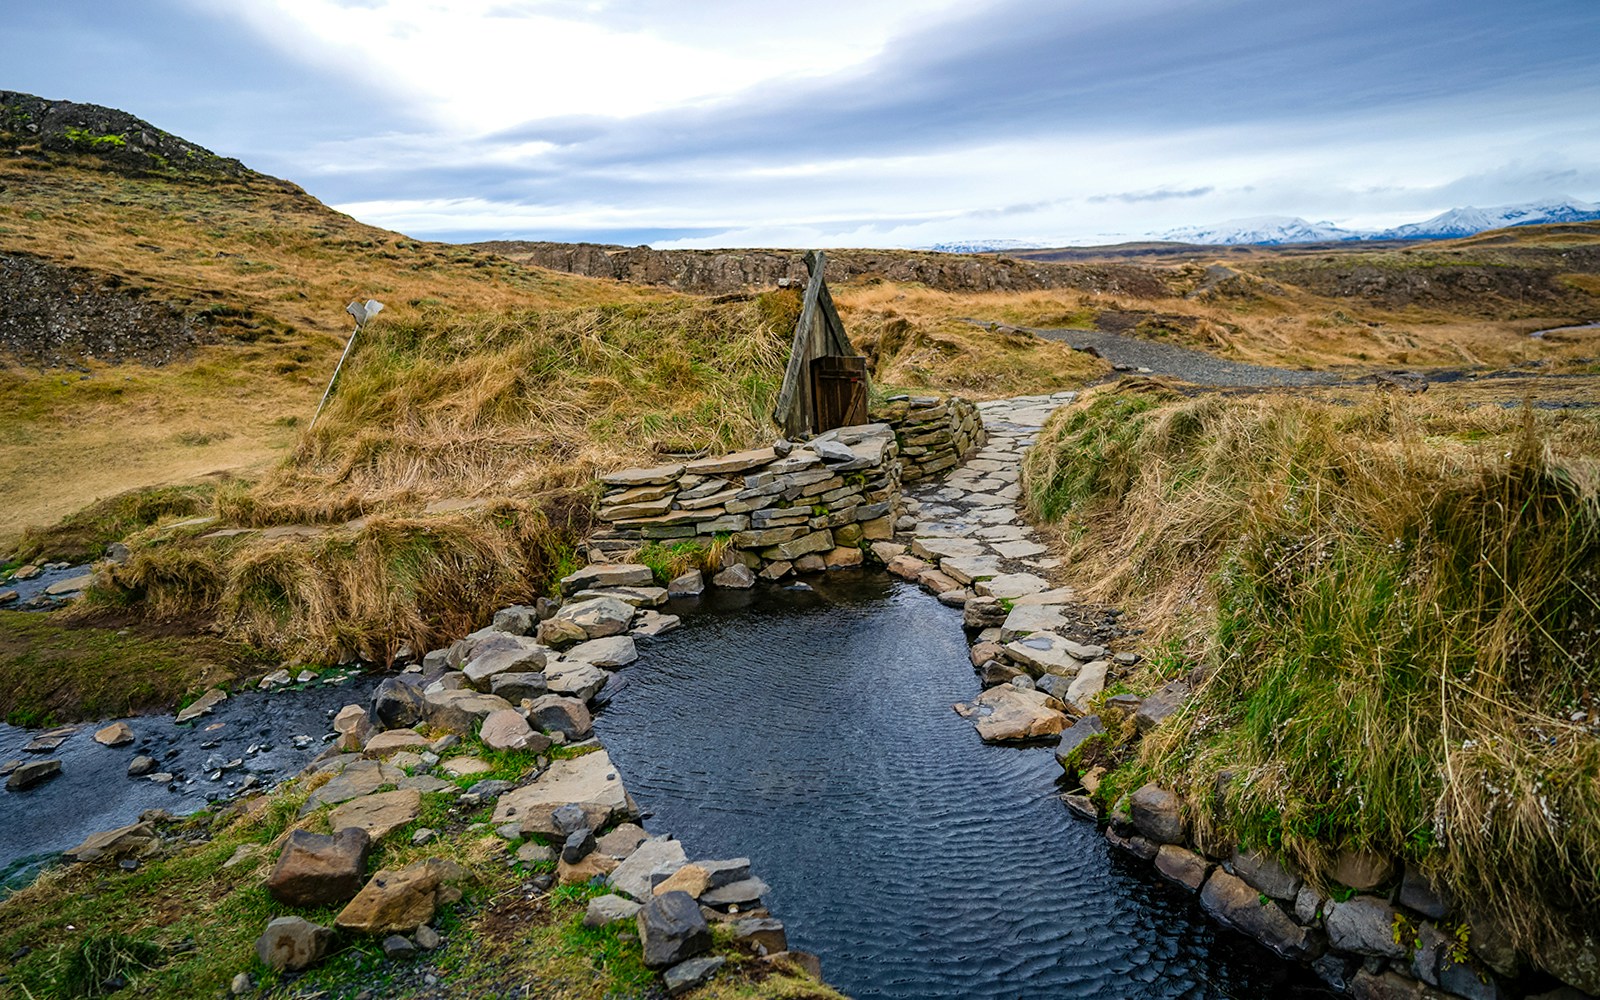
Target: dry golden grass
column 272, row 267
column 1397, row 603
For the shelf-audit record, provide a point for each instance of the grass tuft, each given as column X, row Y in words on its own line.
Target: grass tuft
column 1398, row 607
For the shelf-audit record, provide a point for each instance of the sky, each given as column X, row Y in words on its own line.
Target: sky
column 872, row 123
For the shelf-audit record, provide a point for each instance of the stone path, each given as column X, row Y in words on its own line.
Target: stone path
column 966, row 539
column 969, row 527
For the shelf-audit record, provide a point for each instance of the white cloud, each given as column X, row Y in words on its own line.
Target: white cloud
column 479, row 65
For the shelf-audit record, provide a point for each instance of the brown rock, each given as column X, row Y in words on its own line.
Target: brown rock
column 622, row 841
column 396, row 901
column 1361, row 869
column 1182, row 866
column 983, row 652
column 1235, row 903
column 115, row 735
column 378, row 815
column 136, row 840
column 842, row 557
column 592, row 864
column 691, row 878
column 558, row 633
column 506, row 729
column 319, row 870
column 386, row 743
column 565, row 715
column 1009, row 714
column 1157, row 814
column 907, row 567
column 291, row 944
column 761, row 935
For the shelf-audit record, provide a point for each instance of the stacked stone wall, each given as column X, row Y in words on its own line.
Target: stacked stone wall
column 780, row 509
column 935, row 434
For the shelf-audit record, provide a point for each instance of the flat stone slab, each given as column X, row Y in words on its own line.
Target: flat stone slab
column 611, row 651
column 1056, row 595
column 969, row 569
column 608, row 575
column 1045, row 652
column 358, row 778
column 1027, row 618
column 380, row 814
column 936, row 549
column 1019, row 549
column 1010, row 586
column 590, row 780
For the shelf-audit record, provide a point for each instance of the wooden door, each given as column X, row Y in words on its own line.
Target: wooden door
column 839, row 387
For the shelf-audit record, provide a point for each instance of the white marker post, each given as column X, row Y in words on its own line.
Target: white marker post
column 362, row 311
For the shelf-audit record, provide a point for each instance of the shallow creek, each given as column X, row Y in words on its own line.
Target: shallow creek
column 812, row 732
column 94, row 793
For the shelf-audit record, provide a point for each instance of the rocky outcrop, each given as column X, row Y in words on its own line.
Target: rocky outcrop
column 725, row 271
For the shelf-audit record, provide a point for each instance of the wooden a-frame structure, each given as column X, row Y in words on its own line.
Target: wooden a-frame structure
column 825, row 384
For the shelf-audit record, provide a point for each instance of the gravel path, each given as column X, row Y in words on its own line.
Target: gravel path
column 1181, row 362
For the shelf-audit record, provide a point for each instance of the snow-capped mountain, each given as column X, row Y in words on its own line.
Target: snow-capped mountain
column 1467, row 221
column 1265, row 230
column 982, row 246
column 1275, row 230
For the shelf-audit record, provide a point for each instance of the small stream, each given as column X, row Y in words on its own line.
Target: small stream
column 812, row 732
column 94, row 792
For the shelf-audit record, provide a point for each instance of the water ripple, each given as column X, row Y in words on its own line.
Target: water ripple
column 812, row 732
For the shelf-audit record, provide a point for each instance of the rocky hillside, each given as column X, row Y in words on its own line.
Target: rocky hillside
column 716, row 272
column 46, row 130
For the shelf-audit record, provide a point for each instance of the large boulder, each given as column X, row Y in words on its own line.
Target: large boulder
column 506, row 729
column 598, row 616
column 315, row 869
column 1182, row 866
column 1010, row 714
column 291, row 944
column 514, row 687
column 1157, row 814
column 394, row 901
column 518, row 619
column 555, row 713
column 1265, row 873
column 397, row 702
column 509, row 654
column 672, row 930
column 462, row 711
column 577, row 679
column 1235, row 903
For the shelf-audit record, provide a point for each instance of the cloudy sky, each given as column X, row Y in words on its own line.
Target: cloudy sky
column 851, row 122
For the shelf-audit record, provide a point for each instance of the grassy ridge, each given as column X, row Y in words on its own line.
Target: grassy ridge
column 1397, row 606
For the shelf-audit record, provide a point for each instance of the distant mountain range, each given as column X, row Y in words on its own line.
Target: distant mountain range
column 1276, row 230
column 1458, row 222
column 983, row 246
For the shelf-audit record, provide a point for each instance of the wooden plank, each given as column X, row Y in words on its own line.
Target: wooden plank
column 795, row 408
